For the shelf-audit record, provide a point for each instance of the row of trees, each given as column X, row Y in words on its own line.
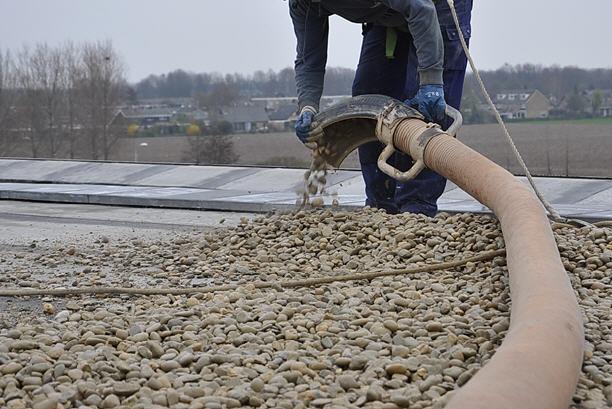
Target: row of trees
column 60, row 101
column 552, row 81
column 555, row 81
column 572, row 86
column 179, row 83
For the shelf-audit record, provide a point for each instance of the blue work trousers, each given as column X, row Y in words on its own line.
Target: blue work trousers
column 397, row 77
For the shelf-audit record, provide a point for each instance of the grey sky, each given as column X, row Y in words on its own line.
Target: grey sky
column 156, row 36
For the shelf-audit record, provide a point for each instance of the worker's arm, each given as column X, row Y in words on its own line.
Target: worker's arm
column 423, row 25
column 311, row 31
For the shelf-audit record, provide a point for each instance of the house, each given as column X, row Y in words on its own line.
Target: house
column 600, row 102
column 179, row 103
column 198, row 116
column 283, row 118
column 522, row 104
column 273, row 103
column 143, row 117
column 149, row 121
column 246, row 119
column 606, row 110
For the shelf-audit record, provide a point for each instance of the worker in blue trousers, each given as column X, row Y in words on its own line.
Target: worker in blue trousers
column 410, row 51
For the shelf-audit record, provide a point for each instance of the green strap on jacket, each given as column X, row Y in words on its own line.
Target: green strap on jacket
column 391, row 43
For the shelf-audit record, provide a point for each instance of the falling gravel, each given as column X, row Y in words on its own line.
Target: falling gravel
column 396, row 342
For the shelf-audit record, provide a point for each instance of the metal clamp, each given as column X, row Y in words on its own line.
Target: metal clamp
column 457, row 120
column 388, row 121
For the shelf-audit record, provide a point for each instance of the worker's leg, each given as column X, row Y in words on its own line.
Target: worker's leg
column 455, row 61
column 377, row 74
column 421, row 194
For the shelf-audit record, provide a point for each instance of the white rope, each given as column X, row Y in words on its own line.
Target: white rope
column 551, row 210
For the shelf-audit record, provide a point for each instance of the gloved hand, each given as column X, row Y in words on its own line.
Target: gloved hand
column 302, row 125
column 429, row 101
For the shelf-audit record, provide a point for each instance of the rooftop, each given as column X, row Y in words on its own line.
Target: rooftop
column 250, row 189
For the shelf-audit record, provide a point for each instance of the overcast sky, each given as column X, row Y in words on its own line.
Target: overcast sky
column 156, row 36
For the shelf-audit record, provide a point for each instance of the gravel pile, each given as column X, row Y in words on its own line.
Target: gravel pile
column 394, row 342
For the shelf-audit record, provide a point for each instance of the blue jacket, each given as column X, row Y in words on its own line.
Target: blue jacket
column 311, row 26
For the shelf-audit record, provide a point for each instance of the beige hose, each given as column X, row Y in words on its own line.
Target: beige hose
column 538, row 363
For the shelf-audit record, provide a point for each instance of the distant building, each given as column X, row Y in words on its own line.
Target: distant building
column 181, row 103
column 605, row 111
column 603, row 106
column 273, row 103
column 523, row 104
column 143, row 117
column 198, row 116
column 246, row 119
column 283, row 118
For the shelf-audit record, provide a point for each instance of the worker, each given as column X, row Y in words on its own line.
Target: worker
column 410, row 51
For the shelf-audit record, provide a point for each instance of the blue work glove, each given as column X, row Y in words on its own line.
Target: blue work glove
column 429, row 101
column 302, row 125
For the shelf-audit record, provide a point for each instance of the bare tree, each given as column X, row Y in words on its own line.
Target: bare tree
column 63, row 93
column 222, row 95
column 8, row 137
column 71, row 82
column 102, row 85
column 30, row 111
column 40, row 106
column 215, row 147
column 47, row 69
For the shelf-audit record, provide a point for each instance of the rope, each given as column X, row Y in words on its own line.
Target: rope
column 310, row 282
column 551, row 210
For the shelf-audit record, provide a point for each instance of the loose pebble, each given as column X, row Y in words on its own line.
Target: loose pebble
column 401, row 341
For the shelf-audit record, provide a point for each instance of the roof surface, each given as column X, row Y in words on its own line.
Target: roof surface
column 283, row 113
column 250, row 189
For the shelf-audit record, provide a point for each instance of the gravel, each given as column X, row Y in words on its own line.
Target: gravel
column 394, row 342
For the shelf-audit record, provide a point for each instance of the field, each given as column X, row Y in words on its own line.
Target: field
column 579, row 148
column 549, row 148
column 585, row 121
